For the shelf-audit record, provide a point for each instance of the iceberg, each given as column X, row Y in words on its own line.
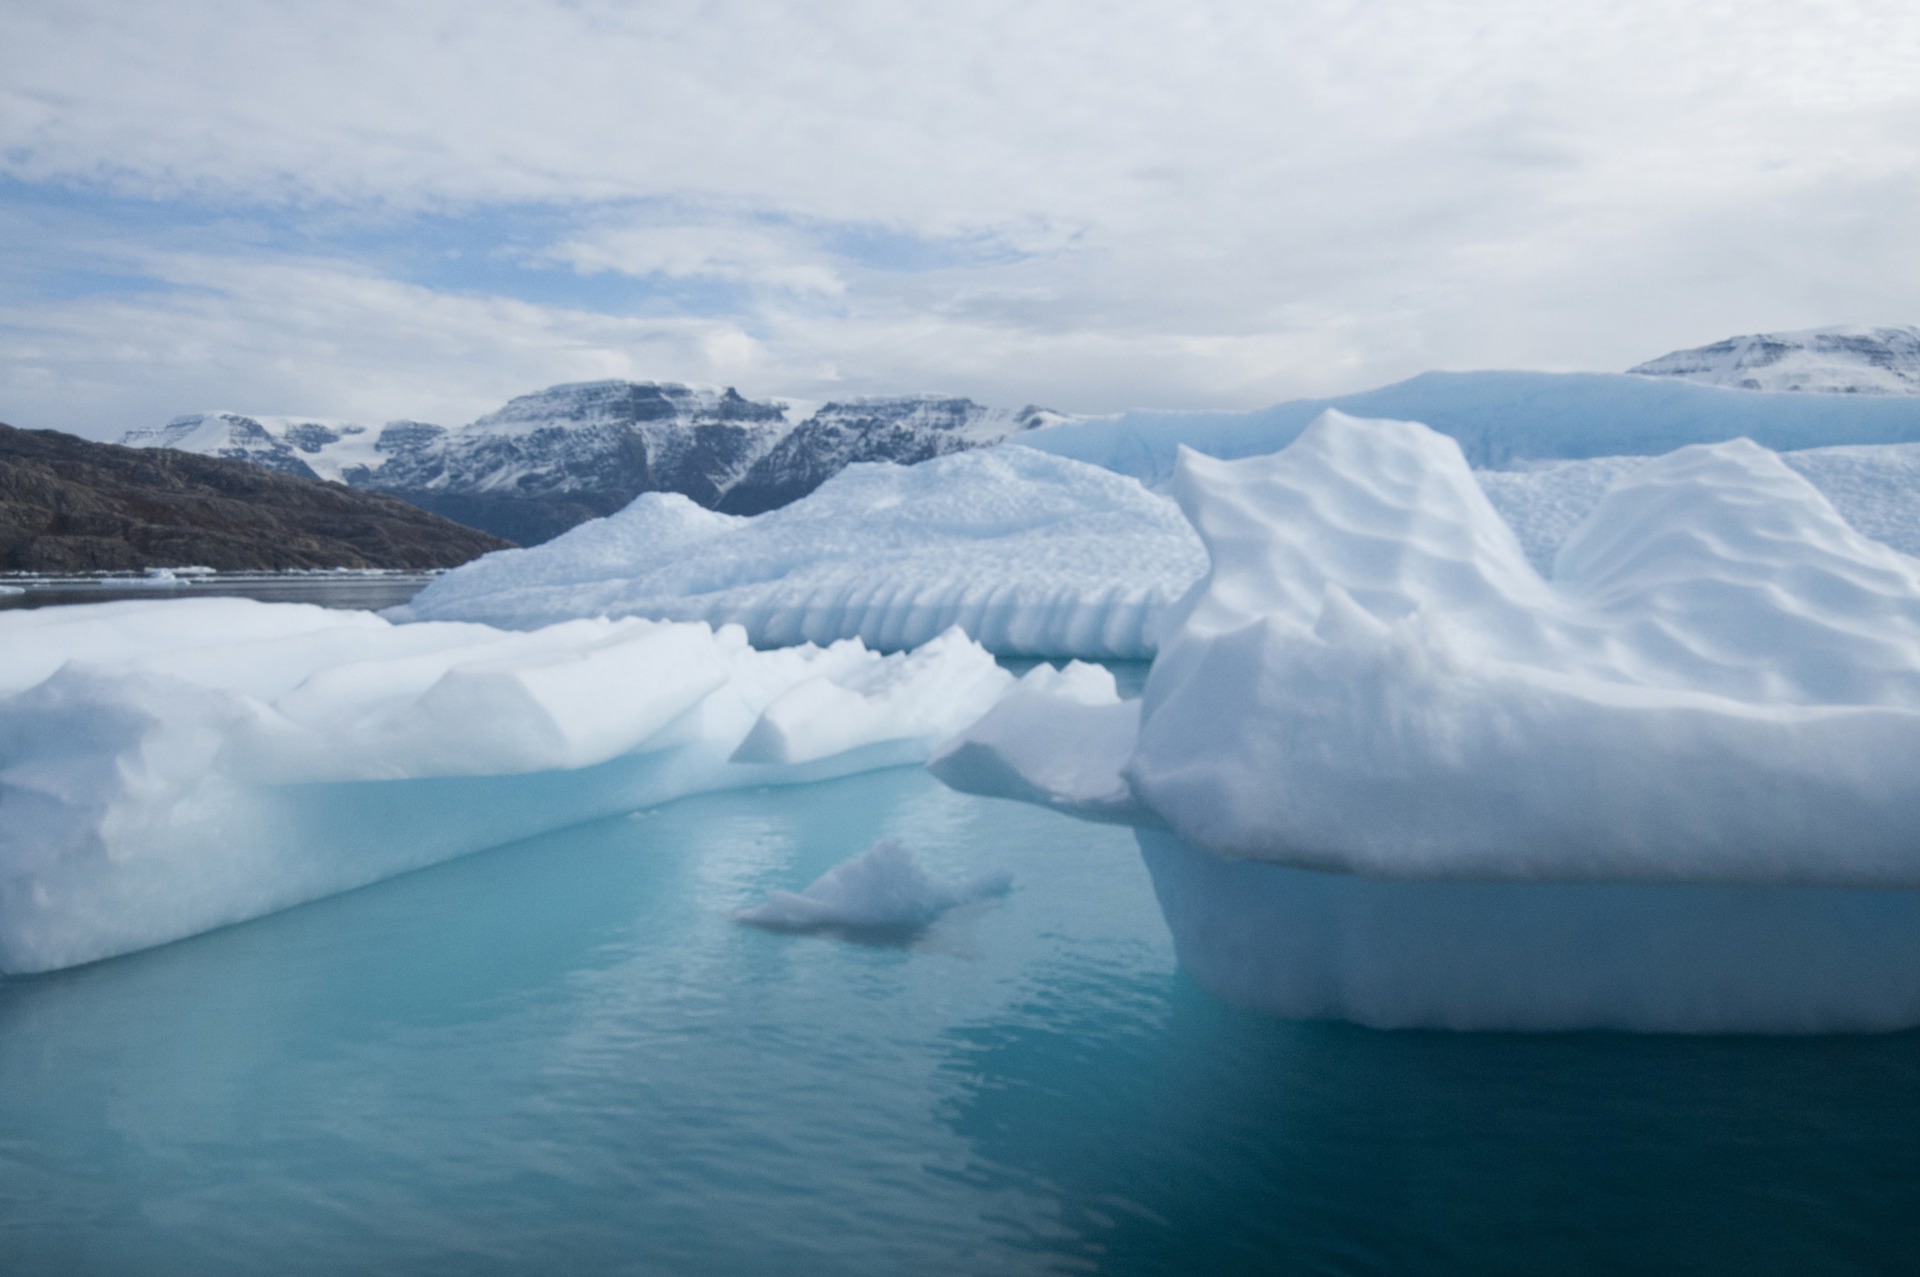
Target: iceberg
column 1385, row 769
column 170, row 767
column 1029, row 553
column 882, row 891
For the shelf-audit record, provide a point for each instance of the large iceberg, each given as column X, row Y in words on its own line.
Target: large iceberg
column 1029, row 553
column 1386, row 769
column 168, row 767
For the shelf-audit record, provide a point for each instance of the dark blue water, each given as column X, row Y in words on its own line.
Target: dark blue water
column 563, row 1056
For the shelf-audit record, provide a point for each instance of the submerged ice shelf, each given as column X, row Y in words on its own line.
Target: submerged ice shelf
column 170, row 767
column 1384, row 769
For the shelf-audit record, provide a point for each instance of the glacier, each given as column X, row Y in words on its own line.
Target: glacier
column 1386, row 769
column 170, row 767
column 1504, row 419
column 1029, row 553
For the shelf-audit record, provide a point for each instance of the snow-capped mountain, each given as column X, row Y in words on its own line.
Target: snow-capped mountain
column 902, row 430
column 303, row 446
column 551, row 459
column 1846, row 361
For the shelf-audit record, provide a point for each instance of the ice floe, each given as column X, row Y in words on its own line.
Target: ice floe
column 882, row 890
column 1386, row 769
column 1029, row 553
column 168, row 767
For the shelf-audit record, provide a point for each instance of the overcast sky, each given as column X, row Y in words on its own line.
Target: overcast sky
column 369, row 210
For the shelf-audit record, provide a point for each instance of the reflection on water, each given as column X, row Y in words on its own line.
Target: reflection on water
column 566, row 1056
column 1219, row 1141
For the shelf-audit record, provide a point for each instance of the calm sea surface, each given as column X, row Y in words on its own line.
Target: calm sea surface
column 563, row 1056
column 371, row 590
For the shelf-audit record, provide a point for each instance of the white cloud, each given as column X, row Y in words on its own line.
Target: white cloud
column 327, row 338
column 712, row 250
column 1208, row 203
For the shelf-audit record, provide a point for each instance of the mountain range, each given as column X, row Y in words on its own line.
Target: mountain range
column 552, row 459
column 549, row 460
column 1847, row 361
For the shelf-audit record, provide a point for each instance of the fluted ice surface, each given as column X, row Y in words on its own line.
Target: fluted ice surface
column 1029, row 553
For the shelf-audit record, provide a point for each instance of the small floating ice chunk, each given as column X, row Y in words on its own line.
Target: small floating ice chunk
column 884, row 889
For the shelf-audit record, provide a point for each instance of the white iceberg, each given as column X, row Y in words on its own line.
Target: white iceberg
column 1386, row 770
column 882, row 890
column 170, row 767
column 1029, row 553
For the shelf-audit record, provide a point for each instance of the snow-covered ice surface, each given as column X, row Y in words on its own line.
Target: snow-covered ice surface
column 883, row 890
column 1671, row 787
column 1030, row 553
column 169, row 767
column 1875, row 488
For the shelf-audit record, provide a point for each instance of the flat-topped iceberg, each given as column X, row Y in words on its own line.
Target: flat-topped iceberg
column 1385, row 769
column 1030, row 554
column 168, row 767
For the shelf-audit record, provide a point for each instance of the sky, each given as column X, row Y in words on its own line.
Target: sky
column 374, row 211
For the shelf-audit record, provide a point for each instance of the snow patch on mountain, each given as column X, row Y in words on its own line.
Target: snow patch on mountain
column 310, row 447
column 1843, row 361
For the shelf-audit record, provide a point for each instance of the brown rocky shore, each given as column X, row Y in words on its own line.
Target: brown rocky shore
column 71, row 505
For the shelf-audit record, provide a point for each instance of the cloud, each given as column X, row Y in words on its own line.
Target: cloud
column 1090, row 205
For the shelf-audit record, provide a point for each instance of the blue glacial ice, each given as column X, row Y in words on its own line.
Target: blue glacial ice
column 169, row 767
column 1386, row 769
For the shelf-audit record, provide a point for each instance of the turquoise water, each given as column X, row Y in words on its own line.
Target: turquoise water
column 563, row 1056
